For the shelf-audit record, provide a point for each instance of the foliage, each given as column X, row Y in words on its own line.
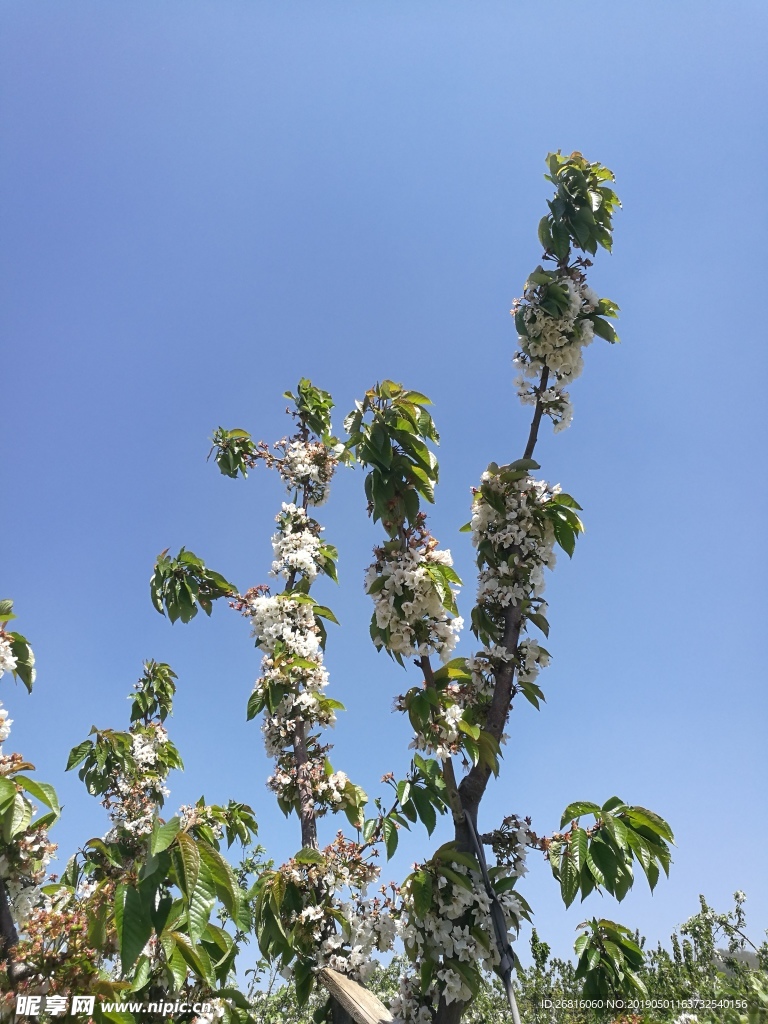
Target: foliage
column 601, row 856
column 182, row 584
column 152, row 907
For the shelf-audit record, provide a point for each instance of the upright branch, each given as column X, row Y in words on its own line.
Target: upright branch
column 463, row 707
column 517, row 519
column 299, row 915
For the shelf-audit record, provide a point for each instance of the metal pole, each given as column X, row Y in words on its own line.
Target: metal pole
column 508, row 959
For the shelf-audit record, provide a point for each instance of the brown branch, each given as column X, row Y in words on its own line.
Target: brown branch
column 9, row 937
column 473, row 785
column 304, row 786
column 538, row 412
column 301, row 757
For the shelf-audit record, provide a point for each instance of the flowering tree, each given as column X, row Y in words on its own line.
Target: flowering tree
column 453, row 913
column 142, row 913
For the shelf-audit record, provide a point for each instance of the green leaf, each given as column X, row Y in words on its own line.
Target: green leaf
column 304, row 980
column 421, row 888
column 539, row 620
column 389, row 829
column 16, row 817
column 25, row 659
column 201, row 902
column 308, row 855
column 469, row 973
column 190, row 858
column 109, row 852
column 453, row 876
column 416, row 398
column 164, row 835
column 424, row 808
column 325, row 613
column 642, row 816
column 603, row 329
column 222, row 876
column 403, row 791
column 195, row 957
column 577, row 809
column 426, row 972
column 569, row 880
column 79, row 754
column 7, row 794
column 176, row 962
column 41, row 791
column 578, row 848
column 132, row 925
column 449, row 854
column 424, row 485
column 594, row 870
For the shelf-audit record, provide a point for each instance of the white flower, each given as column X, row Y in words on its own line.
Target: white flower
column 8, row 660
column 555, row 343
column 5, row 725
column 409, row 605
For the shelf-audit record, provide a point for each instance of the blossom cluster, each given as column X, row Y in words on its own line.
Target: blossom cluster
column 135, row 793
column 520, row 539
column 7, row 664
column 296, row 545
column 409, row 590
column 5, row 726
column 215, row 1013
column 200, row 814
column 554, row 342
column 290, row 690
column 442, row 736
column 456, row 928
column 24, row 859
column 292, row 667
column 23, row 868
column 515, row 541
column 7, row 657
column 306, row 468
column 367, row 927
column 531, row 658
column 336, row 932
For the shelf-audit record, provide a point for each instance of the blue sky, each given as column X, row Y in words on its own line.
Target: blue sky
column 202, row 202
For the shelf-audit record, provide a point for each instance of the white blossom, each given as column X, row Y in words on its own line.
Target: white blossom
column 8, row 660
column 409, row 605
column 448, row 931
column 307, row 468
column 556, row 343
column 296, row 545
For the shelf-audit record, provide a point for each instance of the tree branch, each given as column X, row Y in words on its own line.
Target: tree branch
column 8, row 936
column 304, row 786
column 474, row 784
column 538, row 412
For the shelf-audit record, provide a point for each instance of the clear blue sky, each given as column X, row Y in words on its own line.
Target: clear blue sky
column 201, row 202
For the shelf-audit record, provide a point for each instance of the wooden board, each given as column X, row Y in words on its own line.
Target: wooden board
column 361, row 1005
